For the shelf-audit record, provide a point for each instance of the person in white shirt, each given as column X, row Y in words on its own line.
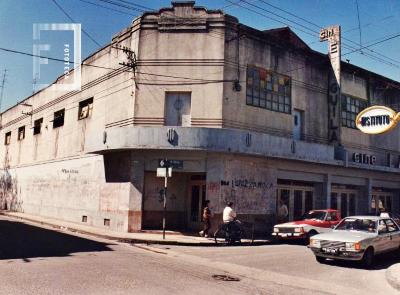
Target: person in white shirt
column 229, row 219
column 229, row 214
column 283, row 212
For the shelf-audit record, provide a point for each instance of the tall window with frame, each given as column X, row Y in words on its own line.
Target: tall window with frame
column 37, row 126
column 7, row 138
column 58, row 120
column 269, row 90
column 85, row 108
column 351, row 106
column 21, row 133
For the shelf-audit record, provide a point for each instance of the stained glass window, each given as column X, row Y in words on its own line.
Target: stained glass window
column 269, row 90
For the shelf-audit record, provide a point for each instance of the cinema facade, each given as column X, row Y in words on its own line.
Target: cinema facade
column 243, row 113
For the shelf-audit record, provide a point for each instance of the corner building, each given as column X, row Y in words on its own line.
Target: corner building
column 244, row 114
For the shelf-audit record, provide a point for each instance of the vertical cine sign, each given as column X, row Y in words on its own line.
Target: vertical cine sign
column 332, row 35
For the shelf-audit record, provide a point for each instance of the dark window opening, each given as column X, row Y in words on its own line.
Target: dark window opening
column 59, row 118
column 21, row 133
column 37, row 126
column 7, row 138
column 297, row 207
column 85, row 108
column 84, row 218
column 194, row 210
column 106, row 222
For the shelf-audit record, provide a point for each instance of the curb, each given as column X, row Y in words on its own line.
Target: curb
column 135, row 240
column 393, row 276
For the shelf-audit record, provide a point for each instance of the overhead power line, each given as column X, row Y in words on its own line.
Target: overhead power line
column 108, row 8
column 373, row 44
column 71, row 19
column 311, row 31
column 139, row 72
column 130, row 7
column 50, row 58
column 344, row 38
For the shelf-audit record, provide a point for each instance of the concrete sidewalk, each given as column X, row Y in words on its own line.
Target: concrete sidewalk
column 146, row 237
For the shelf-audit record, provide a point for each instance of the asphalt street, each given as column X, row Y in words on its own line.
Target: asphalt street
column 39, row 260
column 294, row 265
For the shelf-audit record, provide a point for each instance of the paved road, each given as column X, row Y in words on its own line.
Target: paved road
column 295, row 265
column 38, row 260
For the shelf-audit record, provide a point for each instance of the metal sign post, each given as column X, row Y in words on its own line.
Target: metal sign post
column 164, row 171
column 165, row 201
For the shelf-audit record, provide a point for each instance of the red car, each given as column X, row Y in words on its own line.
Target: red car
column 312, row 223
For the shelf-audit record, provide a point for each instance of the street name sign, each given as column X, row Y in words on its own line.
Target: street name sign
column 162, row 172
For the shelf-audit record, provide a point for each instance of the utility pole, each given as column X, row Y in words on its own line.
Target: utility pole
column 3, row 82
column 131, row 56
column 132, row 61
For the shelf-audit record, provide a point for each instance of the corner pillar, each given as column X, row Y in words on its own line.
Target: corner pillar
column 135, row 214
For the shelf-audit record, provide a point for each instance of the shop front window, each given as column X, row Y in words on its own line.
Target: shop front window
column 298, row 204
column 352, row 204
column 334, row 201
column 308, row 203
column 381, row 203
column 343, row 204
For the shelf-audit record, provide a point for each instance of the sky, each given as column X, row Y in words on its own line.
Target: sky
column 363, row 22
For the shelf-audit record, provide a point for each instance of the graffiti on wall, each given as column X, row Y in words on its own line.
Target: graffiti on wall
column 250, row 186
column 69, row 171
column 247, row 183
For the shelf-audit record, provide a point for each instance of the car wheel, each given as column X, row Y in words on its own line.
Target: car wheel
column 368, row 258
column 320, row 259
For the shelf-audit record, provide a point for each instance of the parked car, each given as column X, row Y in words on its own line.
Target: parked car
column 312, row 223
column 357, row 238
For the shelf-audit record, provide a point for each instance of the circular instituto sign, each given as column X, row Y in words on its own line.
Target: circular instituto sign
column 377, row 119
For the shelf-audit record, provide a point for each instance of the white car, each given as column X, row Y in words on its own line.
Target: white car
column 357, row 238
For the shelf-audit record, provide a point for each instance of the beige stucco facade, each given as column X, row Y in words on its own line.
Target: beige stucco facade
column 192, row 69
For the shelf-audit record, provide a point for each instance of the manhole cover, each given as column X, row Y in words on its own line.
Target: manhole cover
column 225, row 278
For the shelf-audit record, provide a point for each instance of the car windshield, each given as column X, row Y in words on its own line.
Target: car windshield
column 315, row 215
column 358, row 224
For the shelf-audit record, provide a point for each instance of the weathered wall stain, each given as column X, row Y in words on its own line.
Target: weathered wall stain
column 213, row 187
column 9, row 192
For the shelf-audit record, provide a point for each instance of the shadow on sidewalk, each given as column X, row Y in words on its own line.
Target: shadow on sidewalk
column 23, row 241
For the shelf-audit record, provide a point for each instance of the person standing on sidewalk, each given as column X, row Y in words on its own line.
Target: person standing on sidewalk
column 283, row 212
column 206, row 219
